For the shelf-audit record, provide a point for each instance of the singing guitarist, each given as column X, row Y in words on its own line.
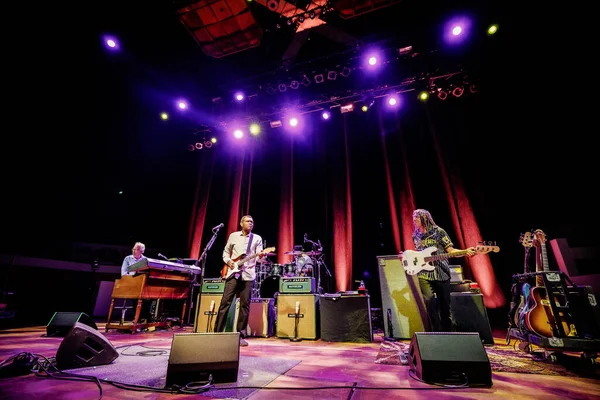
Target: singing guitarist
column 239, row 277
column 435, row 285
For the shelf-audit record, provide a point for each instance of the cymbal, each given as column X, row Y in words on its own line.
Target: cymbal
column 294, row 253
column 270, row 254
column 313, row 253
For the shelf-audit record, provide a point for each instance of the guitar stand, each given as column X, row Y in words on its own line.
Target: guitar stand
column 559, row 300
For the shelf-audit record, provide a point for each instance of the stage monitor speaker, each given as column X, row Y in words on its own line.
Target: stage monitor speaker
column 345, row 318
column 449, row 358
column 307, row 320
column 196, row 356
column 404, row 311
column 84, row 347
column 470, row 315
column 61, row 323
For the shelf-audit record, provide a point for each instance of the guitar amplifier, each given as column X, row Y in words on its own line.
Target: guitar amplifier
column 213, row 285
column 297, row 285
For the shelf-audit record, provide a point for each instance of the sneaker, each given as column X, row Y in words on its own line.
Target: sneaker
column 243, row 342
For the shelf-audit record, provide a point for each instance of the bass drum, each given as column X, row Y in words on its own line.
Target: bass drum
column 269, row 288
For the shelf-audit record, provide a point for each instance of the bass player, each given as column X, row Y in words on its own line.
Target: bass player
column 435, row 284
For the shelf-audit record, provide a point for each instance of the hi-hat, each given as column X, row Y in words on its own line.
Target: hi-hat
column 313, row 253
column 270, row 254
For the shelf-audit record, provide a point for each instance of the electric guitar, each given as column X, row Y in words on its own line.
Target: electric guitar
column 526, row 240
column 417, row 261
column 238, row 263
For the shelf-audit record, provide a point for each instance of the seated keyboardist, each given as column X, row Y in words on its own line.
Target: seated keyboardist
column 137, row 253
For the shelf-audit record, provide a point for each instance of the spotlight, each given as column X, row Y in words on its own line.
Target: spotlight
column 295, row 84
column 282, row 87
column 238, row 134
column 458, row 91
column 473, row 88
column 273, row 5
column 312, row 15
column 301, row 18
column 275, row 124
column 305, row 81
column 164, row 116
column 239, row 96
column 199, row 146
column 319, row 78
column 345, row 72
column 191, row 147
column 208, row 144
column 326, row 115
column 294, row 121
column 423, row 95
column 332, row 75
column 372, row 60
column 442, row 95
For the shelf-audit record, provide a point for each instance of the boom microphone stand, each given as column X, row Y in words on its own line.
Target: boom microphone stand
column 320, row 261
column 202, row 263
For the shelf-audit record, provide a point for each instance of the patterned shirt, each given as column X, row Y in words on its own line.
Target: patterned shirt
column 237, row 245
column 437, row 237
column 130, row 259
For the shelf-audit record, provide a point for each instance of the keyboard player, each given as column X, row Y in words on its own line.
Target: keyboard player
column 137, row 254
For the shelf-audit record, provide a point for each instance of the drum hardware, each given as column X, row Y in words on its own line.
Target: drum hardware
column 319, row 261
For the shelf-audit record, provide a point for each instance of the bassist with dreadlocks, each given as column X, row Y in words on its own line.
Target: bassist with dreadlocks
column 435, row 283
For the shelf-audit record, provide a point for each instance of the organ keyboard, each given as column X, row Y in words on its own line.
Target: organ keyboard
column 154, row 280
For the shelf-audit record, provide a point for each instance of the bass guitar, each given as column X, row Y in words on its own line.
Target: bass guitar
column 238, row 263
column 526, row 240
column 417, row 261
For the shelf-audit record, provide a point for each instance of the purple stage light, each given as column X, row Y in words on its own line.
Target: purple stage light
column 325, row 115
column 456, row 30
column 110, row 42
column 239, row 96
column 294, row 121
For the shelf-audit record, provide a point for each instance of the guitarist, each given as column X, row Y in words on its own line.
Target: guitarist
column 240, row 243
column 435, row 285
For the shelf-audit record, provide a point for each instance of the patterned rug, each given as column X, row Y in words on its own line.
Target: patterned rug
column 503, row 359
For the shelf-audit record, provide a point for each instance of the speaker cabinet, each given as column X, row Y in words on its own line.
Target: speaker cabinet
column 443, row 357
column 403, row 306
column 470, row 315
column 195, row 356
column 206, row 314
column 84, row 347
column 261, row 318
column 61, row 323
column 308, row 316
column 345, row 318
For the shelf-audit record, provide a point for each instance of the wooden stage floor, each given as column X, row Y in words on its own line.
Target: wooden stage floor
column 324, row 366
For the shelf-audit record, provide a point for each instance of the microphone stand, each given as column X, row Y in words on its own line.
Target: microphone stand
column 319, row 261
column 202, row 263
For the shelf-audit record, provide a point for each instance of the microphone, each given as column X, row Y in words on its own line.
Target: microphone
column 305, row 237
column 297, row 307
column 218, row 226
column 163, row 257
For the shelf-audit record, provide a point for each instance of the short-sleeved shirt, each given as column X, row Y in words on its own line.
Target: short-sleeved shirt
column 436, row 237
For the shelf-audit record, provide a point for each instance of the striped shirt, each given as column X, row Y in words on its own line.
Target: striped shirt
column 436, row 237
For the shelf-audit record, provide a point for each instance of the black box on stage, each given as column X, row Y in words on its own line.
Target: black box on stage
column 307, row 320
column 585, row 311
column 470, row 315
column 61, row 323
column 449, row 358
column 261, row 320
column 195, row 356
column 84, row 346
column 345, row 318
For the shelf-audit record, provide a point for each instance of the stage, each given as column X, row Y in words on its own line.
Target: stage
column 274, row 367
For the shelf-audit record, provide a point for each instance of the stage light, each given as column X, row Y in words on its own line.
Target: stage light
column 392, row 101
column 372, row 60
column 347, row 108
column 208, row 144
column 458, row 91
column 473, row 88
column 457, row 30
column 332, row 75
column 182, row 105
column 282, row 87
column 238, row 134
column 275, row 124
column 254, row 129
column 325, row 115
column 442, row 95
column 365, row 108
column 164, row 116
column 199, row 145
column 239, row 96
column 295, row 84
column 191, row 147
column 319, row 78
column 345, row 72
column 294, row 121
column 305, row 81
column 492, row 29
column 423, row 96
column 110, row 42
column 213, row 140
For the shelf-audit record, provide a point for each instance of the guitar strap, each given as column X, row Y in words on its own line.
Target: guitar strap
column 249, row 244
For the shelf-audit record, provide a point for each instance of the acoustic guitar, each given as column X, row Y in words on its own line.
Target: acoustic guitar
column 417, row 261
column 540, row 318
column 238, row 263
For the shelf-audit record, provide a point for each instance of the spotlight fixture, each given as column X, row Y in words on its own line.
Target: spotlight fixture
column 282, row 87
column 319, row 78
column 191, row 147
column 458, row 91
column 345, row 72
column 208, row 144
column 305, row 81
column 332, row 75
column 442, row 95
column 295, row 84
column 199, row 146
column 275, row 124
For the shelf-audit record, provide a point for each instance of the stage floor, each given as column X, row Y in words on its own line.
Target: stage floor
column 323, row 368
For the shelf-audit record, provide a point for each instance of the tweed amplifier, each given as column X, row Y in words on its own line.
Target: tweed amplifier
column 213, row 285
column 297, row 285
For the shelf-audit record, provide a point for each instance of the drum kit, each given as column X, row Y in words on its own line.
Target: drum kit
column 268, row 273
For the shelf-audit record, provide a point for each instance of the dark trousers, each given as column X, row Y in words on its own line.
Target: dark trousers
column 235, row 287
column 437, row 301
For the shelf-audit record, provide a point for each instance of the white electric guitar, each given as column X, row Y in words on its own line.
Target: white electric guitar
column 417, row 261
column 238, row 263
